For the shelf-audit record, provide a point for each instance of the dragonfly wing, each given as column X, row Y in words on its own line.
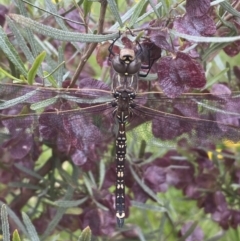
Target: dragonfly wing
column 72, row 130
column 200, row 119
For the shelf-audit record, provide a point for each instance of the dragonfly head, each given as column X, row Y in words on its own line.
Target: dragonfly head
column 127, row 56
column 126, row 64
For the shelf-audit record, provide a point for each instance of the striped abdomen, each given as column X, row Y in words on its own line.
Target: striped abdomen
column 124, row 102
column 120, row 165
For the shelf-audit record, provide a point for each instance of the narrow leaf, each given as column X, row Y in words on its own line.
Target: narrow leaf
column 140, row 234
column 16, row 220
column 24, row 185
column 70, row 204
column 50, row 78
column 53, row 10
column 20, row 40
column 87, row 7
column 16, row 236
column 11, row 53
column 86, row 234
column 28, row 171
column 102, row 173
column 136, row 13
column 88, row 185
column 32, row 233
column 60, row 212
column 60, row 71
column 149, row 12
column 115, row 12
column 217, row 237
column 44, row 103
column 5, row 224
column 9, row 75
column 215, row 79
column 84, row 100
column 227, row 6
column 145, row 187
column 189, row 231
column 17, row 100
column 60, row 34
column 146, row 206
column 30, row 36
column 216, row 2
column 35, row 66
column 201, row 39
column 214, row 47
column 154, row 8
column 124, row 18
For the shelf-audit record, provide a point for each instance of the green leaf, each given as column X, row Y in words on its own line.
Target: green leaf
column 61, row 23
column 217, row 237
column 51, row 79
column 5, row 224
column 44, row 103
column 154, row 8
column 17, row 100
column 215, row 79
column 24, row 185
column 9, row 75
column 60, row 34
column 215, row 2
column 86, row 235
column 15, row 218
column 20, row 40
column 146, row 206
column 214, row 47
column 35, row 66
column 60, row 212
column 136, row 13
column 16, row 236
column 227, row 6
column 115, row 12
column 189, row 231
column 84, row 100
column 11, row 53
column 102, row 173
column 145, row 187
column 149, row 12
column 32, row 233
column 69, row 204
column 87, row 7
column 88, row 184
column 30, row 36
column 140, row 234
column 124, row 18
column 60, row 70
column 201, row 39
column 28, row 171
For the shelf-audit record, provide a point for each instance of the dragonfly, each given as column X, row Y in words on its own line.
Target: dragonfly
column 83, row 121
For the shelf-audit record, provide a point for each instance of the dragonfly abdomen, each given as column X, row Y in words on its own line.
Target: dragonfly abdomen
column 120, row 166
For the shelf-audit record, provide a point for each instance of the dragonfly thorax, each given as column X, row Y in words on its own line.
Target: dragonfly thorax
column 123, row 103
column 124, row 93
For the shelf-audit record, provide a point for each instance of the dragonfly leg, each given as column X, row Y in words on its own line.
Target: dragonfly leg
column 111, row 46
